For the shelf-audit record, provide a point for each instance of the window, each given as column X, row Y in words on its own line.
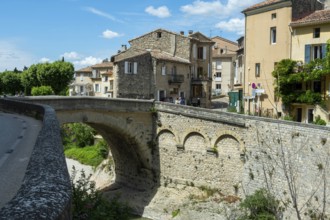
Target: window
column 218, row 65
column 106, row 89
column 174, row 70
column 81, row 88
column 257, row 69
column 201, row 53
column 273, row 16
column 316, row 33
column 217, row 86
column 313, row 52
column 130, row 67
column 273, row 35
column 317, row 86
column 159, row 34
column 199, row 71
column 97, row 88
column 317, row 52
column 163, row 70
column 218, row 74
column 105, row 78
column 111, row 85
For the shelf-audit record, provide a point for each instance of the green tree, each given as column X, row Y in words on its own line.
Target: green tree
column 79, row 134
column 42, row 90
column 29, row 78
column 57, row 75
column 11, row 82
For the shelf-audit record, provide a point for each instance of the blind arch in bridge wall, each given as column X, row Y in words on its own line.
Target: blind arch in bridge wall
column 195, row 141
column 230, row 151
column 167, row 139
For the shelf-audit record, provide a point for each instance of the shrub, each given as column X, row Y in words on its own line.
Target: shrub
column 42, row 90
column 88, row 203
column 319, row 121
column 260, row 205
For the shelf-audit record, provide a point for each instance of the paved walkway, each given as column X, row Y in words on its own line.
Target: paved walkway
column 18, row 135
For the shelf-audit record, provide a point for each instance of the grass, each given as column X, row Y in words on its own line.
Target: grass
column 89, row 155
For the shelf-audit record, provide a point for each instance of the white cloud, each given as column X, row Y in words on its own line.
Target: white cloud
column 44, row 60
column 11, row 56
column 110, row 34
column 87, row 61
column 233, row 25
column 70, row 55
column 216, row 8
column 203, row 8
column 100, row 13
column 161, row 12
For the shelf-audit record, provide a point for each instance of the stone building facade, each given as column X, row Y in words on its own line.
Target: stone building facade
column 165, row 66
column 223, row 66
column 96, row 80
column 267, row 41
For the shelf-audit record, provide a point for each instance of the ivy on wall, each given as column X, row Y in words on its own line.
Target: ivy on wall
column 292, row 76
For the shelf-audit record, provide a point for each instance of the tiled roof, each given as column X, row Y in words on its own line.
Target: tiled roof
column 262, row 4
column 85, row 70
column 157, row 30
column 160, row 55
column 103, row 65
column 317, row 17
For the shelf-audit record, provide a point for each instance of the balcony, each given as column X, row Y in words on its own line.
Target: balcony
column 176, row 79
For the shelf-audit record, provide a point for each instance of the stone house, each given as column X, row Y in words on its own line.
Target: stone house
column 96, row 80
column 165, row 66
column 309, row 40
column 82, row 84
column 267, row 41
column 103, row 80
column 223, row 66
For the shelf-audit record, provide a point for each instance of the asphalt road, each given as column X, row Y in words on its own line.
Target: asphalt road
column 18, row 135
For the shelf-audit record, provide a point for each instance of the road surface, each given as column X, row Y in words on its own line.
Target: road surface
column 18, row 135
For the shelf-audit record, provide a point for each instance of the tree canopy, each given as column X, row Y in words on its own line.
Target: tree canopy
column 57, row 75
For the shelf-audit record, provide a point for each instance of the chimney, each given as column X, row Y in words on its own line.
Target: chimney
column 182, row 32
column 123, row 47
column 191, row 31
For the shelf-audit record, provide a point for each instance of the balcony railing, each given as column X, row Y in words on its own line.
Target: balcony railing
column 176, row 79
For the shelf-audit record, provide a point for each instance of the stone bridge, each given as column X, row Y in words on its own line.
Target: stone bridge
column 157, row 144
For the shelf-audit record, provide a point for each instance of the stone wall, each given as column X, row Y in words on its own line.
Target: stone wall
column 239, row 154
column 302, row 8
column 46, row 189
column 140, row 85
column 175, row 44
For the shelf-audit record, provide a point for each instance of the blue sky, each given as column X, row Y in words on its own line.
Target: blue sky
column 87, row 31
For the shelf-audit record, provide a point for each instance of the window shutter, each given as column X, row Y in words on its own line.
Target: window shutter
column 324, row 50
column 194, row 51
column 204, row 53
column 135, row 68
column 126, row 67
column 307, row 53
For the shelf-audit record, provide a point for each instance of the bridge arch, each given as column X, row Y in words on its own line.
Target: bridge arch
column 126, row 135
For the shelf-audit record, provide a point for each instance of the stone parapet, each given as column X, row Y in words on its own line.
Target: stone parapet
column 46, row 189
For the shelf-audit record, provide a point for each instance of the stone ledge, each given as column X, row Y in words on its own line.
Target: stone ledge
column 46, row 189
